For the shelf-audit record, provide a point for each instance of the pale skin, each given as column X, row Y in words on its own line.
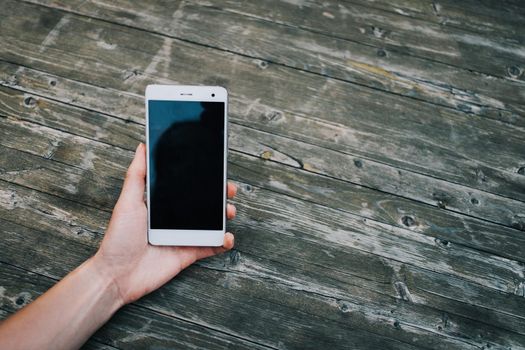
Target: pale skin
column 124, row 269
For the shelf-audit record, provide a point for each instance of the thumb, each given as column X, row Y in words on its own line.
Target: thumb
column 133, row 188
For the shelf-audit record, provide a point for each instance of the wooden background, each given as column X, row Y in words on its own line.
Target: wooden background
column 379, row 147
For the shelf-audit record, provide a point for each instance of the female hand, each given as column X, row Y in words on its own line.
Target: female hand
column 125, row 256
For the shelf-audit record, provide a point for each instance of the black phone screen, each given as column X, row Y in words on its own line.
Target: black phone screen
column 186, row 165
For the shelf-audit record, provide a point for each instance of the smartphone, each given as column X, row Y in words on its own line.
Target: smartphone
column 186, row 141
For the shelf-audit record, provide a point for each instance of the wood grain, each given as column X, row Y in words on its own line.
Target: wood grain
column 374, row 48
column 378, row 147
column 380, row 176
column 132, row 326
column 306, row 156
column 257, row 244
column 410, row 145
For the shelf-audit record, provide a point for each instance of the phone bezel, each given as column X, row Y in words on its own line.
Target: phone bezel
column 212, row 238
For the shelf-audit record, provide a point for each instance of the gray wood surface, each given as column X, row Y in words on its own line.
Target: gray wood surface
column 379, row 147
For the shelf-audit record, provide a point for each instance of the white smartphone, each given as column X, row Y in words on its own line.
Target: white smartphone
column 186, row 141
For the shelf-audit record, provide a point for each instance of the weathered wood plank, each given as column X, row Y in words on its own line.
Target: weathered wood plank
column 377, row 49
column 85, row 186
column 92, row 227
column 265, row 242
column 389, row 209
column 493, row 19
column 414, row 240
column 266, row 273
column 424, row 291
column 383, row 177
column 317, row 159
column 255, row 169
column 460, row 139
column 131, row 328
column 243, row 144
column 299, row 330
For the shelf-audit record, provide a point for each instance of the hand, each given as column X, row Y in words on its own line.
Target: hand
column 134, row 266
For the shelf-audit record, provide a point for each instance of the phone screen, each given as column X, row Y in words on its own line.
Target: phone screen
column 186, row 165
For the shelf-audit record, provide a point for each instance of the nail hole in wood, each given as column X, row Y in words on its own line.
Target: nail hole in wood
column 521, row 170
column 514, row 72
column 263, row 64
column 397, row 324
column 20, row 301
column 381, row 53
column 30, row 101
column 358, row 163
column 53, row 82
column 474, row 201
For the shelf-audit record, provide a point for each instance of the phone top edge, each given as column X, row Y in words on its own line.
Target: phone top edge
column 158, row 88
column 186, row 93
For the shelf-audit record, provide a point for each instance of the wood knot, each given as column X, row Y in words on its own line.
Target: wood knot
column 521, row 170
column 248, row 188
column 408, row 221
column 273, row 116
column 378, row 32
column 358, row 163
column 343, row 306
column 128, row 74
column 30, row 101
column 402, row 291
column 20, row 300
column 514, row 72
column 266, row 155
column 442, row 199
column 442, row 242
column 381, row 53
column 481, row 176
column 262, row 64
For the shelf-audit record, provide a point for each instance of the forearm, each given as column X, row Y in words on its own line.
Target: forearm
column 66, row 315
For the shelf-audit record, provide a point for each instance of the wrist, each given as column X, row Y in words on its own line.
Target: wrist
column 106, row 280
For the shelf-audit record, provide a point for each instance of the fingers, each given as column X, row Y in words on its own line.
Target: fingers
column 228, row 243
column 232, row 190
column 230, row 211
column 133, row 189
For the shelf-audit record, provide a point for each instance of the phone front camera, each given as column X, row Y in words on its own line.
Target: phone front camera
column 212, row 95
